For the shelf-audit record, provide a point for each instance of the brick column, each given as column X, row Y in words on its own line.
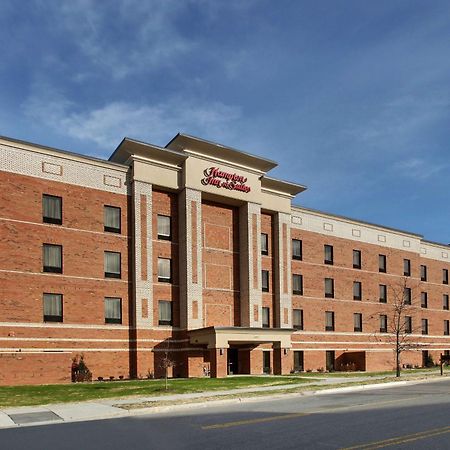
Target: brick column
column 218, row 362
column 282, row 361
column 250, row 264
column 283, row 271
column 256, row 361
column 142, row 312
column 190, row 245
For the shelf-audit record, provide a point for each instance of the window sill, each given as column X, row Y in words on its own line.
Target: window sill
column 112, row 230
column 48, row 269
column 113, row 275
column 53, row 319
column 52, row 221
column 164, row 280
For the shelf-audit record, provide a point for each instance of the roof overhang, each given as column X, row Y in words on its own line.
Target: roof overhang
column 222, row 337
column 212, row 150
column 275, row 186
column 129, row 148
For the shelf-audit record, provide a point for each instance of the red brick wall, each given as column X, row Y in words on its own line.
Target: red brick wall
column 34, row 368
column 165, row 203
column 267, row 263
column 82, row 282
column 220, row 225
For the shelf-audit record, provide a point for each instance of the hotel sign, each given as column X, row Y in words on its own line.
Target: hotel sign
column 226, row 180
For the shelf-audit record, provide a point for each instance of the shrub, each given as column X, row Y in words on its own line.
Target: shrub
column 80, row 371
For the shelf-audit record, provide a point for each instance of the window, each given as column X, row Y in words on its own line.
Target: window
column 164, row 270
column 329, row 321
column 265, row 317
column 357, row 259
column 446, row 327
column 357, row 322
column 382, row 263
column 445, row 276
column 423, row 273
column 297, row 249
column 328, row 254
column 53, row 308
column 383, row 323
column 51, row 209
column 112, row 265
column 52, row 258
column 407, row 267
column 329, row 288
column 424, row 300
column 265, row 280
column 445, row 301
column 164, row 312
column 113, row 310
column 408, row 324
column 383, row 293
column 264, row 244
column 357, row 290
column 407, row 296
column 424, row 326
column 298, row 319
column 330, row 360
column 111, row 217
column 164, row 228
column 297, row 284
column 298, row 361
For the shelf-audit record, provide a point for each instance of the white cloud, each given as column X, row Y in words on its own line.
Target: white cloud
column 108, row 124
column 126, row 37
column 418, row 168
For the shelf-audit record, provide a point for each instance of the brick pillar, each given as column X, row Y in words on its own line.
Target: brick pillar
column 282, row 361
column 142, row 311
column 283, row 271
column 256, row 361
column 190, row 267
column 218, row 362
column 250, row 264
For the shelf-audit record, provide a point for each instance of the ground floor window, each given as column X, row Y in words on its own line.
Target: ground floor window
column 330, row 358
column 266, row 362
column 298, row 361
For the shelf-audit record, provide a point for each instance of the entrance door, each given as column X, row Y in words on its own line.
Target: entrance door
column 330, row 360
column 233, row 358
column 266, row 362
column 298, row 361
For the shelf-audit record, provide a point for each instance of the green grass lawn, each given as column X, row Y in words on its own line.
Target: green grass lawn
column 11, row 396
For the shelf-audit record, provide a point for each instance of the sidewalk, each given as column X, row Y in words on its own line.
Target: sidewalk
column 124, row 407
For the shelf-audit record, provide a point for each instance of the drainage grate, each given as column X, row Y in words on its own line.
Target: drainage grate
column 34, row 417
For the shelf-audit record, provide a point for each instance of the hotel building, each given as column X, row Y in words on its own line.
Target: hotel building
column 194, row 253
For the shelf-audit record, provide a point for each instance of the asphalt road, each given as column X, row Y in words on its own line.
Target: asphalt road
column 404, row 417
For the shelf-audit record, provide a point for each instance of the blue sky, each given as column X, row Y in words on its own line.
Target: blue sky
column 352, row 98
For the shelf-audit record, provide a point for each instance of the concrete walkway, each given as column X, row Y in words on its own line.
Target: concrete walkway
column 110, row 408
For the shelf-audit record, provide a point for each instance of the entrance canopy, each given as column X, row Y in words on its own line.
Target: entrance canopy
column 222, row 337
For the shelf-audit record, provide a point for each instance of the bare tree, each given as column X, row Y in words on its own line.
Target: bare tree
column 166, row 363
column 399, row 330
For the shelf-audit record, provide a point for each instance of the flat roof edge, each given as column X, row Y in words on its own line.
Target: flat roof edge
column 362, row 222
column 438, row 244
column 64, row 152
